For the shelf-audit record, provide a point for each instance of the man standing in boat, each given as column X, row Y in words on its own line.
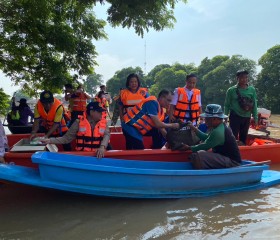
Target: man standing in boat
column 90, row 130
column 50, row 112
column 225, row 152
column 147, row 118
column 186, row 102
column 240, row 103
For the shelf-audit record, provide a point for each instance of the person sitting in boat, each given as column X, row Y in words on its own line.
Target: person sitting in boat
column 24, row 112
column 91, row 131
column 13, row 117
column 3, row 143
column 49, row 111
column 225, row 152
column 132, row 94
column 146, row 118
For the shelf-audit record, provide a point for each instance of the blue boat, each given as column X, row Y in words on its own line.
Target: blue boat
column 136, row 179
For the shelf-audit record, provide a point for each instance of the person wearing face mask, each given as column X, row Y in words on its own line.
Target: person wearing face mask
column 132, row 94
column 186, row 102
column 240, row 104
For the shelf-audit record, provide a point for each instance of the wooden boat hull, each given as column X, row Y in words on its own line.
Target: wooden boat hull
column 137, row 179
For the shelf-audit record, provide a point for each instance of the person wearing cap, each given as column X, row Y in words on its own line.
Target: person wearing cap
column 225, row 152
column 186, row 102
column 239, row 114
column 50, row 112
column 147, row 118
column 90, row 130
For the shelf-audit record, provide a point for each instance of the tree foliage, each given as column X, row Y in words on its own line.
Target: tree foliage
column 172, row 77
column 268, row 80
column 4, row 102
column 118, row 81
column 92, row 83
column 48, row 43
column 223, row 75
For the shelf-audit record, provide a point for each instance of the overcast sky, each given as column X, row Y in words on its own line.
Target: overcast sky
column 204, row 28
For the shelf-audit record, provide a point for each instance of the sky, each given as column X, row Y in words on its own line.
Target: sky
column 204, row 28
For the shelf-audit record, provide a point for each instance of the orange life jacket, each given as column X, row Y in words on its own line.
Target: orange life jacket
column 79, row 102
column 48, row 118
column 130, row 99
column 89, row 139
column 184, row 105
column 259, row 141
column 102, row 101
column 145, row 122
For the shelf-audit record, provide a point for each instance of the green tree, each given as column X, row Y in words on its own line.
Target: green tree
column 150, row 78
column 172, row 77
column 48, row 43
column 118, row 81
column 92, row 83
column 4, row 102
column 268, row 80
column 217, row 81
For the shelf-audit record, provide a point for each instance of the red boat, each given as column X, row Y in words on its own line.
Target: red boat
column 270, row 150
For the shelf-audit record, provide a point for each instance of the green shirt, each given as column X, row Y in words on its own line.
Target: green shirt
column 231, row 102
column 215, row 137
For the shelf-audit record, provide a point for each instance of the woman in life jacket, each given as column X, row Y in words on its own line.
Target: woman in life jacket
column 132, row 94
column 90, row 130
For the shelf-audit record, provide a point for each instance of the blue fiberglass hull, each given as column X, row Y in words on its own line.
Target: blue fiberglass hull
column 135, row 179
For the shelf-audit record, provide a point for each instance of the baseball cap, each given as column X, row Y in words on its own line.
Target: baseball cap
column 46, row 97
column 95, row 106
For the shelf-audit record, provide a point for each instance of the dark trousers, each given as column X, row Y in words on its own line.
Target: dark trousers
column 239, row 126
column 134, row 143
column 131, row 142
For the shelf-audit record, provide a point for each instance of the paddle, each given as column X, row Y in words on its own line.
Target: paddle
column 256, row 163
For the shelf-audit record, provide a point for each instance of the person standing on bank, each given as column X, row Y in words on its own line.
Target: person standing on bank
column 225, row 152
column 240, row 103
column 49, row 111
column 186, row 102
column 90, row 130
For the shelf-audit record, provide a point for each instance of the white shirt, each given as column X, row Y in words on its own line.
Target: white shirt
column 189, row 94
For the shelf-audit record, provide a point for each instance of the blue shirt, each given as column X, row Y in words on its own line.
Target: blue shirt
column 149, row 108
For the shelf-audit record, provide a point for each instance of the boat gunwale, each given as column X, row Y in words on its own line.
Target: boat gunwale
column 36, row 158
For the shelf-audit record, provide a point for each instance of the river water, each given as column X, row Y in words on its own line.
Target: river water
column 33, row 213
